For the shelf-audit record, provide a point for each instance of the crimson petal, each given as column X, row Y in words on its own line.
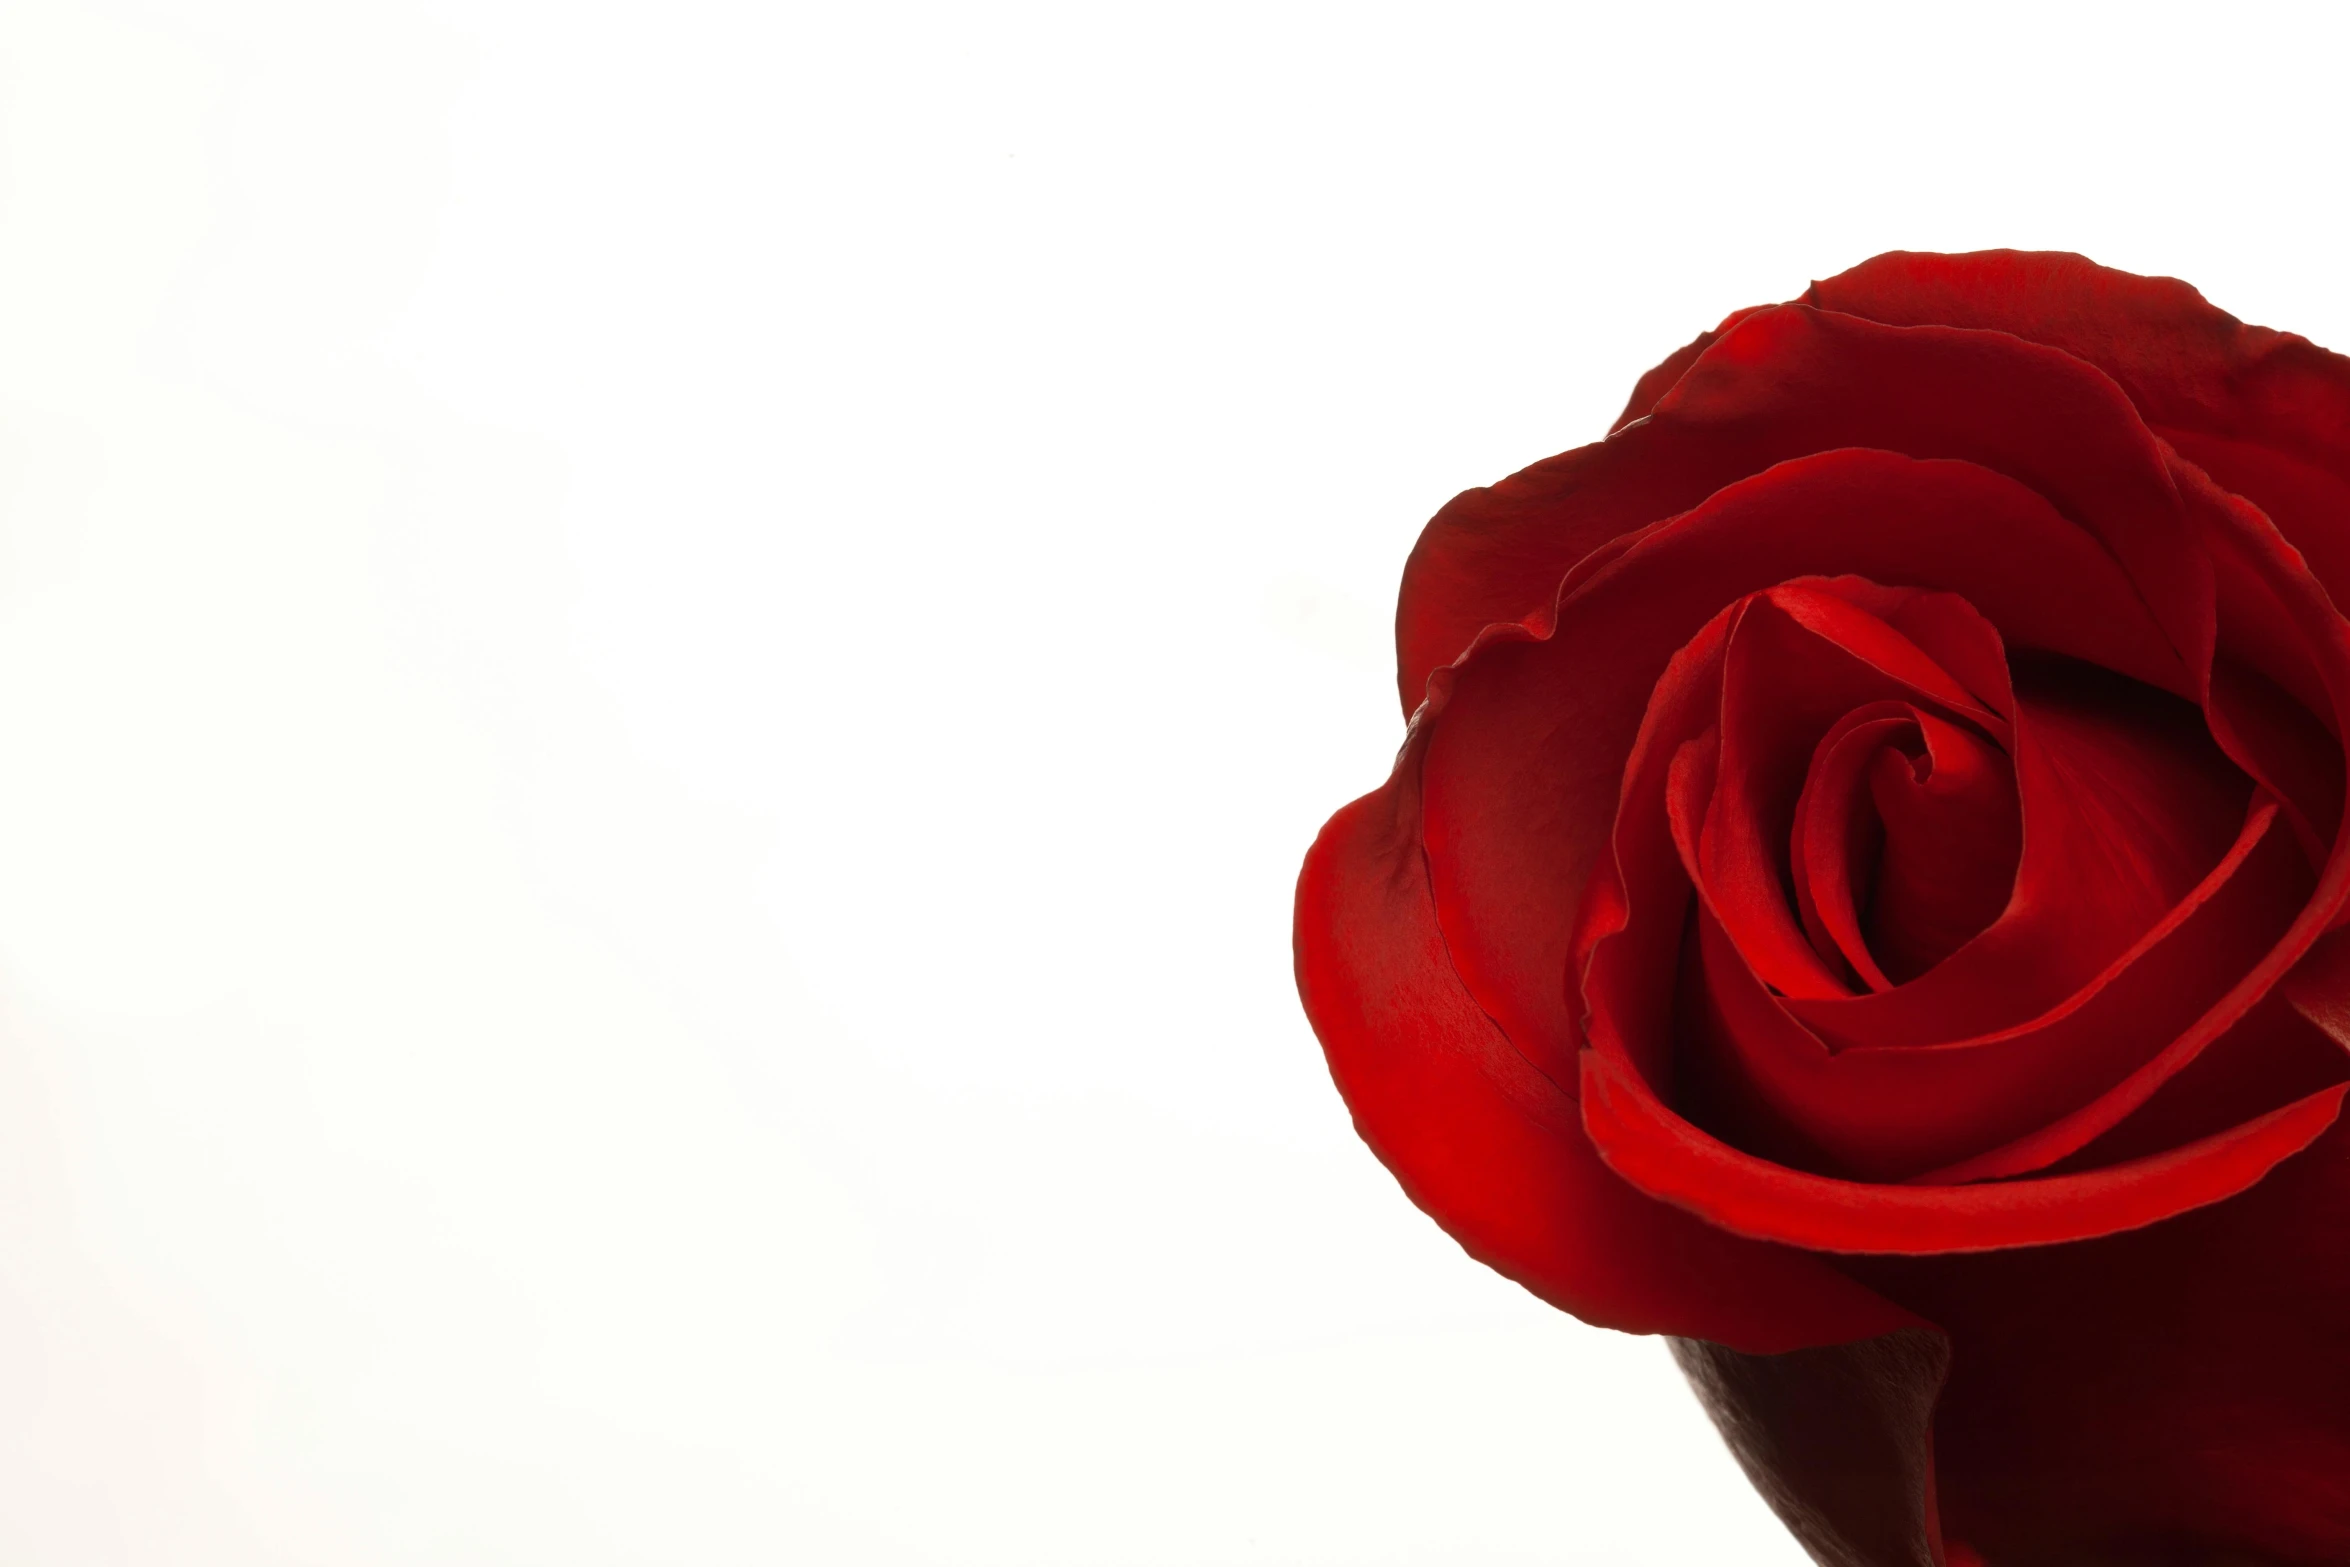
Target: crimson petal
column 1665, row 1156
column 2265, row 413
column 1491, row 1148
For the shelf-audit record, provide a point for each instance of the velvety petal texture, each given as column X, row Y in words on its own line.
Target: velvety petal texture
column 1863, row 893
column 1490, row 1146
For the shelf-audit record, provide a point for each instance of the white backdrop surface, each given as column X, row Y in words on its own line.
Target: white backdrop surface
column 663, row 668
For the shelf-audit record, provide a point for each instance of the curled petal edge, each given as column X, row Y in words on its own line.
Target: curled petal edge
column 1668, row 1158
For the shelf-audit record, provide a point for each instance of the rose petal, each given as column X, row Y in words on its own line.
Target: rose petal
column 2126, row 807
column 1839, row 1441
column 1800, row 655
column 2271, row 1056
column 1798, row 378
column 2307, row 501
column 2265, row 413
column 2178, row 1394
column 1665, row 1156
column 2277, row 688
column 1836, row 842
column 1653, row 385
column 1496, row 554
column 1953, row 833
column 1492, row 1149
column 1954, row 634
column 1891, row 1113
column 2247, row 547
column 1790, row 381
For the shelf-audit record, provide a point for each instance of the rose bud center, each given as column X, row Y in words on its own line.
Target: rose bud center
column 1861, row 820
column 1905, row 841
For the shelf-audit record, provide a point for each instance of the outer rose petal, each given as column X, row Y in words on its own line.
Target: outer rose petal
column 1787, row 382
column 1652, row 387
column 1497, row 553
column 2176, row 1395
column 1838, row 1441
column 1493, row 1150
column 2265, row 413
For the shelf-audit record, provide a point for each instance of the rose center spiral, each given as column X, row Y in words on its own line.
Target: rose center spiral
column 1904, row 843
column 1853, row 812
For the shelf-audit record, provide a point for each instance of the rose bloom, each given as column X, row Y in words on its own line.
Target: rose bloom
column 1858, row 895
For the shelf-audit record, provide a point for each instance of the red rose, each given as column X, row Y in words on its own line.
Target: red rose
column 1855, row 896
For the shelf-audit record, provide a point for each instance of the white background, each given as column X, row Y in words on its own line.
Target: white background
column 663, row 667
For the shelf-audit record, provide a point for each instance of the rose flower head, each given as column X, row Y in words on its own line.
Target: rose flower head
column 1860, row 894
